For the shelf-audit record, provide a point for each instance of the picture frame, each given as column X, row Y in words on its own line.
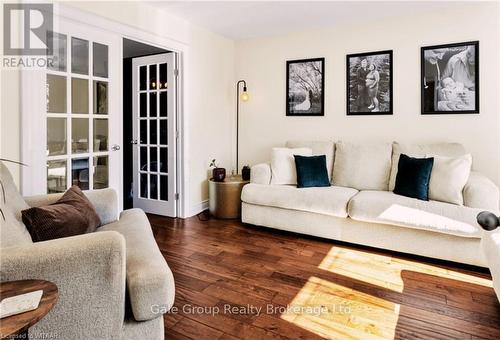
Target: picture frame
column 369, row 83
column 449, row 78
column 305, row 87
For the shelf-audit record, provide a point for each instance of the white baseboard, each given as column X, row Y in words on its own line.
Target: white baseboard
column 197, row 208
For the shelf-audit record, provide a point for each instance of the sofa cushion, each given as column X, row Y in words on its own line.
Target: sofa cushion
column 363, row 166
column 149, row 279
column 449, row 177
column 388, row 208
column 283, row 164
column 420, row 150
column 318, row 148
column 12, row 231
column 330, row 201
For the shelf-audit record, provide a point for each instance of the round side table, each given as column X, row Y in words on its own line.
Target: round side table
column 16, row 326
column 225, row 197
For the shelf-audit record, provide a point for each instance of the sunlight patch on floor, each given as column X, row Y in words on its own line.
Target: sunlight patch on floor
column 334, row 311
column 385, row 271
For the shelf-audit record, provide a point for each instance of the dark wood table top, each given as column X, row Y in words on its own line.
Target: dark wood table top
column 19, row 323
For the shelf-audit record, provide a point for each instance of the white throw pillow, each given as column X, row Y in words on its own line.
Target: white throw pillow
column 318, row 148
column 448, row 178
column 283, row 164
column 419, row 151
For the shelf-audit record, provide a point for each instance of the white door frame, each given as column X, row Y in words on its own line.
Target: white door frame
column 129, row 32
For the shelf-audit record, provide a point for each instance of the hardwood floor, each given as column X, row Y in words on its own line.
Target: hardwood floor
column 236, row 281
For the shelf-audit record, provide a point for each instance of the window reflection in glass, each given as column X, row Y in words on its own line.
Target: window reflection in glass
column 56, row 94
column 57, row 51
column 80, row 135
column 101, row 173
column 56, row 176
column 144, row 186
column 100, row 60
column 153, row 187
column 162, row 84
column 79, row 56
column 79, row 95
column 56, row 136
column 100, row 97
column 80, row 173
column 100, row 135
column 144, row 158
column 152, row 78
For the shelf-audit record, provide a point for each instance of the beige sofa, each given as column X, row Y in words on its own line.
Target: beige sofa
column 113, row 283
column 362, row 209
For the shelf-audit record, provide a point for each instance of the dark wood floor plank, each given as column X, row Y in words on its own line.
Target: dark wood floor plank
column 409, row 328
column 225, row 264
column 195, row 330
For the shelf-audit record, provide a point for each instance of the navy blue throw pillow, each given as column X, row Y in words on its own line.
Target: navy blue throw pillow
column 413, row 177
column 311, row 171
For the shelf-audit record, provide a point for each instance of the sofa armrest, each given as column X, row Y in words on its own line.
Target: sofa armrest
column 105, row 202
column 490, row 247
column 89, row 271
column 261, row 174
column 150, row 282
column 480, row 192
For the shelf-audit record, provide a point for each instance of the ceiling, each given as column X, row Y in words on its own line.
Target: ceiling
column 132, row 49
column 251, row 19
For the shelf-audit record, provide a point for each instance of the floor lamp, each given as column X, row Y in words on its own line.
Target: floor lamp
column 244, row 98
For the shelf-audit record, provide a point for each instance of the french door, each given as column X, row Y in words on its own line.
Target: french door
column 78, row 130
column 154, row 134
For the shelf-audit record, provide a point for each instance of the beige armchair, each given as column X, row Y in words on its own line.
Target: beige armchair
column 113, row 284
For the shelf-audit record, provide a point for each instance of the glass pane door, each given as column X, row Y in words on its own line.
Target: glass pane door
column 77, row 85
column 154, row 134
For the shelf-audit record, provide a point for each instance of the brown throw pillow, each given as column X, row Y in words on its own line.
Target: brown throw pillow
column 71, row 215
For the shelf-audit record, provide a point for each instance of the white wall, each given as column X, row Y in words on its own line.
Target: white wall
column 262, row 63
column 208, row 81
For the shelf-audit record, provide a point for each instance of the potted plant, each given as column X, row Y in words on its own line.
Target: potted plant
column 218, row 174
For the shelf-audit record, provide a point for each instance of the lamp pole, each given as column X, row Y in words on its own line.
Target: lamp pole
column 238, row 117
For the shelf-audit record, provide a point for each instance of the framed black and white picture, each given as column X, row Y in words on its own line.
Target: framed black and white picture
column 450, row 78
column 369, row 83
column 305, row 87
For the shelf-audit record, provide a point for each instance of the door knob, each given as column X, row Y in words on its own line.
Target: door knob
column 133, row 141
column 115, row 147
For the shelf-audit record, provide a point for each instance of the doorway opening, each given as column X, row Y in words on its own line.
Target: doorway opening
column 149, row 128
